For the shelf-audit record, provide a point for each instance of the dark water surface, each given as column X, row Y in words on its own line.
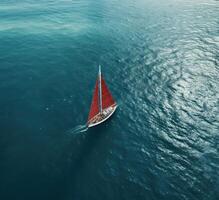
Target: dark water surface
column 161, row 62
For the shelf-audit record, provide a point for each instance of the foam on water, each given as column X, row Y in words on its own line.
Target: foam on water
column 78, row 129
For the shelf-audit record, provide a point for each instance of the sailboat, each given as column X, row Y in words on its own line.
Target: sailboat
column 103, row 105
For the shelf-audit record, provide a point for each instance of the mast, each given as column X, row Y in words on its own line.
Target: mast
column 100, row 90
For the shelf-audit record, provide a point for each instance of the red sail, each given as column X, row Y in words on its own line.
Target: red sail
column 107, row 99
column 94, row 109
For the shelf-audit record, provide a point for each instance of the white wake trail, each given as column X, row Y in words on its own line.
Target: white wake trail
column 78, row 129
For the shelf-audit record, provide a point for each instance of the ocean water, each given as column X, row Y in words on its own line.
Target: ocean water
column 160, row 60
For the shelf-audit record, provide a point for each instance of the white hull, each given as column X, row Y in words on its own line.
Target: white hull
column 112, row 108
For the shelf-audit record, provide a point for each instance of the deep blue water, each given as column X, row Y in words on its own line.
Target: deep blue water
column 161, row 62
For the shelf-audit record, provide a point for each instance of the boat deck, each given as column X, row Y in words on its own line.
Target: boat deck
column 101, row 117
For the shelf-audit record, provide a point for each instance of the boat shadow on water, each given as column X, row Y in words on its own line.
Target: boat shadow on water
column 80, row 153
